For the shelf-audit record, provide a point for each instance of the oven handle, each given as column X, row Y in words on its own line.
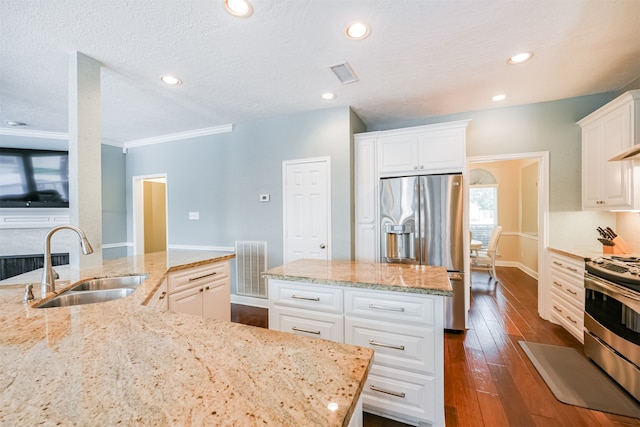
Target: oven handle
column 629, row 298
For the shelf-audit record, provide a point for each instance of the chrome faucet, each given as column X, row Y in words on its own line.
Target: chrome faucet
column 48, row 275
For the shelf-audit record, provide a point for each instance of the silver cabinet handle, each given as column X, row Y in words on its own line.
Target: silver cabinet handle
column 379, row 344
column 305, row 298
column 382, row 307
column 557, row 284
column 557, row 263
column 393, row 393
column 192, row 279
column 557, row 309
column 575, row 270
column 572, row 292
column 295, row 328
column 575, row 322
column 162, row 295
column 322, row 246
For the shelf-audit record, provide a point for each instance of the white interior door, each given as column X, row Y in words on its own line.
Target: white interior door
column 306, row 210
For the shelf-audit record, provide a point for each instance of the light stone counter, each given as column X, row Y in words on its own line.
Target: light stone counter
column 422, row 279
column 121, row 362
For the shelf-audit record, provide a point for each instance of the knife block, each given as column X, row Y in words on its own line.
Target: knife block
column 619, row 247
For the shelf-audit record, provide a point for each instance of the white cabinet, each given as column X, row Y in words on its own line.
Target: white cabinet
column 202, row 291
column 567, row 294
column 366, row 198
column 607, row 132
column 160, row 299
column 406, row 331
column 422, row 150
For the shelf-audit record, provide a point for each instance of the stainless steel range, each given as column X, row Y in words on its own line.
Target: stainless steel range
column 612, row 319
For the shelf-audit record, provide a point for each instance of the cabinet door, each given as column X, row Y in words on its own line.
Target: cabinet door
column 216, row 302
column 616, row 179
column 188, row 301
column 160, row 300
column 442, row 151
column 591, row 171
column 365, row 180
column 398, row 154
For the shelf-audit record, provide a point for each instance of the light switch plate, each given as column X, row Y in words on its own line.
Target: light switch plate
column 265, row 197
column 194, row 215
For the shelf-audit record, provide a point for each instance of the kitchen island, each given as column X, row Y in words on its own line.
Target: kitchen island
column 395, row 309
column 121, row 362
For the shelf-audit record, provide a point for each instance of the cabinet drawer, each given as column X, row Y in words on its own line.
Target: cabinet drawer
column 392, row 306
column 309, row 324
column 567, row 291
column 400, row 394
column 573, row 269
column 195, row 276
column 568, row 316
column 300, row 295
column 400, row 346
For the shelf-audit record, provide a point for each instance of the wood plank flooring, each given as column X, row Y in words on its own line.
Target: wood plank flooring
column 489, row 381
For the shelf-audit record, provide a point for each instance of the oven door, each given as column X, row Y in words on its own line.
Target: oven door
column 611, row 314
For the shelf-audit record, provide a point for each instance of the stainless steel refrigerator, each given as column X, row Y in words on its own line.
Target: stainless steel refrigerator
column 421, row 222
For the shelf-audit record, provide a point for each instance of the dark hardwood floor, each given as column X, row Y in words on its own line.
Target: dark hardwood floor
column 489, row 381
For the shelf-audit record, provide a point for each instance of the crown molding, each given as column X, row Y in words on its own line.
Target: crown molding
column 179, row 135
column 34, row 134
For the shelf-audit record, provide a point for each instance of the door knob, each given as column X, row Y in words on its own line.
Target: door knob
column 322, row 246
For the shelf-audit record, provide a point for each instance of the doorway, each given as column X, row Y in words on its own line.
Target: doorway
column 150, row 214
column 306, row 209
column 529, row 233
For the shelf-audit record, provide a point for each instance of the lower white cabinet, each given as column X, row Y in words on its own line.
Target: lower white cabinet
column 567, row 294
column 202, row 291
column 406, row 331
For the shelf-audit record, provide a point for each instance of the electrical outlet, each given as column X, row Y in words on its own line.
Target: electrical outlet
column 265, row 197
column 194, row 215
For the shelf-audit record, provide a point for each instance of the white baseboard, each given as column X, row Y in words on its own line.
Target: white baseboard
column 254, row 302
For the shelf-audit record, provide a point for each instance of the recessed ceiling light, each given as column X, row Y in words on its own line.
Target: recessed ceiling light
column 15, row 123
column 329, row 95
column 171, row 80
column 500, row 97
column 520, row 57
column 357, row 31
column 239, row 8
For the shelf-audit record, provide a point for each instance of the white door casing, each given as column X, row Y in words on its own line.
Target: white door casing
column 306, row 209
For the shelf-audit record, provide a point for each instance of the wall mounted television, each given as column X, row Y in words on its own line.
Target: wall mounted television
column 34, row 178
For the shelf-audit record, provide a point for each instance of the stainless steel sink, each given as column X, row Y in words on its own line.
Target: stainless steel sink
column 68, row 298
column 108, row 283
column 96, row 290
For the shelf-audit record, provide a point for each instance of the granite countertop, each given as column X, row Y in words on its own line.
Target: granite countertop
column 579, row 254
column 122, row 362
column 420, row 279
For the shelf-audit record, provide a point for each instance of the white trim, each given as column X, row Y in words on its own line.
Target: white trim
column 34, row 134
column 202, row 248
column 285, row 164
column 543, row 218
column 529, row 272
column 117, row 245
column 254, row 302
column 178, row 136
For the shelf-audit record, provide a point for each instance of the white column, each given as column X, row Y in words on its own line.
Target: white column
column 85, row 167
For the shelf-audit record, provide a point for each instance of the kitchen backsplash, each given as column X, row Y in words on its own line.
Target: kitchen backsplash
column 628, row 227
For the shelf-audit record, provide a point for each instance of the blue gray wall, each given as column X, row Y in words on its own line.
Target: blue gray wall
column 221, row 177
column 114, row 202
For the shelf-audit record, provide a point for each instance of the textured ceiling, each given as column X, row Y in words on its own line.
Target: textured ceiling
column 422, row 58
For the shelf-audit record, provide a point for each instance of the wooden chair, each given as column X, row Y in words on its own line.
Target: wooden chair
column 486, row 259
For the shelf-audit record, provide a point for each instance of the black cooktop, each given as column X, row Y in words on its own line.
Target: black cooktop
column 623, row 271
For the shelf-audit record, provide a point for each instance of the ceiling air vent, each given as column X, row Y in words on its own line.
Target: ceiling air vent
column 344, row 73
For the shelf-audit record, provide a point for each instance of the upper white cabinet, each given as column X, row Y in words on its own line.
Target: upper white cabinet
column 607, row 132
column 424, row 149
column 421, row 150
